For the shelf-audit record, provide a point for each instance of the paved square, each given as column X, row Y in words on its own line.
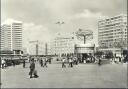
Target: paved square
column 80, row 76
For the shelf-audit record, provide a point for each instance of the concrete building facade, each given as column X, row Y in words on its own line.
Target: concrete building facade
column 63, row 45
column 11, row 35
column 112, row 33
column 69, row 45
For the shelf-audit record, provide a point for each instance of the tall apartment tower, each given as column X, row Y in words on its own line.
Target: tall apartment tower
column 11, row 35
column 112, row 33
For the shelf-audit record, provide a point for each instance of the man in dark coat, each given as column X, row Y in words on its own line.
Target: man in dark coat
column 32, row 70
column 99, row 62
column 23, row 63
column 41, row 63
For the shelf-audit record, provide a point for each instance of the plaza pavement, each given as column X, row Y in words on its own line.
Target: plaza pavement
column 80, row 76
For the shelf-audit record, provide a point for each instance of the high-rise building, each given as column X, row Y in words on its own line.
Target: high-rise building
column 112, row 33
column 11, row 35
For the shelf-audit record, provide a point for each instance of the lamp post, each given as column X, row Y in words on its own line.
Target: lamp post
column 60, row 23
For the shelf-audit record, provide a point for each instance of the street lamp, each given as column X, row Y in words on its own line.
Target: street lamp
column 60, row 23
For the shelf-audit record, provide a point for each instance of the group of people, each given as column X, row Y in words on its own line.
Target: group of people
column 5, row 63
column 43, row 62
column 71, row 61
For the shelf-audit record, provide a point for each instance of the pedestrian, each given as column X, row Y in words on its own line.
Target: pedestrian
column 29, row 59
column 94, row 59
column 3, row 63
column 74, row 60
column 99, row 63
column 63, row 62
column 77, row 61
column 50, row 60
column 41, row 62
column 6, row 63
column 119, row 59
column 0, row 63
column 32, row 67
column 45, row 62
column 32, row 70
column 70, row 62
column 13, row 63
column 23, row 63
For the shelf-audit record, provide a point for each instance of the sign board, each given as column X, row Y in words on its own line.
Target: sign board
column 84, row 50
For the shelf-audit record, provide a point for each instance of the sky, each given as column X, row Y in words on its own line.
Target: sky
column 40, row 16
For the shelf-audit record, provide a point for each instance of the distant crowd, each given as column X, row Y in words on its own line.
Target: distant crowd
column 73, row 60
column 65, row 62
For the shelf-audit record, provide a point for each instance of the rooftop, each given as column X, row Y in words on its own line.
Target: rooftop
column 10, row 21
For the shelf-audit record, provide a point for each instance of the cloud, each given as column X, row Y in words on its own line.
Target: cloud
column 33, row 32
column 88, row 14
column 45, row 11
column 88, row 20
column 40, row 15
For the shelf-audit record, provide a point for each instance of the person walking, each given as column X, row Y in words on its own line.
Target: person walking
column 119, row 59
column 23, row 63
column 32, row 70
column 63, row 63
column 70, row 62
column 13, row 63
column 45, row 62
column 41, row 62
column 50, row 60
column 74, row 60
column 99, row 63
column 3, row 63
